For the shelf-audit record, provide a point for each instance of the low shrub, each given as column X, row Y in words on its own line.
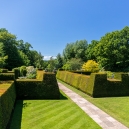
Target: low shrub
column 31, row 72
column 91, row 66
column 23, row 71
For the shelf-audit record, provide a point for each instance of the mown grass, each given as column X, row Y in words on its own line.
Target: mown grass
column 117, row 107
column 50, row 114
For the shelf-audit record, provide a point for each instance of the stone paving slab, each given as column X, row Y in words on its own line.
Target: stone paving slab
column 100, row 117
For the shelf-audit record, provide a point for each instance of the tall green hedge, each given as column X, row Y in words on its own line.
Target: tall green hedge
column 7, row 100
column 3, row 70
column 97, row 84
column 7, row 76
column 47, row 88
column 16, row 72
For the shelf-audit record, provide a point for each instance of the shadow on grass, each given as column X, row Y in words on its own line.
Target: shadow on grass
column 15, row 121
column 16, row 117
column 63, row 97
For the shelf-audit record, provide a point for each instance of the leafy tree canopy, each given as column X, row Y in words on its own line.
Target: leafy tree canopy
column 73, row 64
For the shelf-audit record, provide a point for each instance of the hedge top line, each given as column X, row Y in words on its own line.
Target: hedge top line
column 97, row 84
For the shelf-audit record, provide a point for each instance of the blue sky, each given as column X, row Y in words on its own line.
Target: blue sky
column 48, row 25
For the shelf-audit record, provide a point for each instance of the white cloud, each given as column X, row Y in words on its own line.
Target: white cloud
column 48, row 57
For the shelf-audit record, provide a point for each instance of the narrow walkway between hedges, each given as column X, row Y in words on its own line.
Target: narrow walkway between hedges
column 99, row 116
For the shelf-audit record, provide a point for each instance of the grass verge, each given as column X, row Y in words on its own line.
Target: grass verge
column 117, row 107
column 50, row 114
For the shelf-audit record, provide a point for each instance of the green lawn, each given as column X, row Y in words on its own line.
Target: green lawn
column 117, row 107
column 50, row 114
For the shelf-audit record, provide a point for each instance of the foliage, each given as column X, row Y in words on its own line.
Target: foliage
column 97, row 85
column 112, row 51
column 2, row 56
column 45, row 64
column 23, row 71
column 47, row 88
column 3, row 70
column 91, row 66
column 24, row 47
column 78, row 81
column 68, row 52
column 31, row 72
column 18, row 52
column 79, row 49
column 73, row 64
column 7, row 100
column 51, row 65
column 75, row 50
column 36, row 59
column 59, row 61
column 7, row 76
column 24, row 58
column 16, row 72
column 91, row 49
column 10, row 49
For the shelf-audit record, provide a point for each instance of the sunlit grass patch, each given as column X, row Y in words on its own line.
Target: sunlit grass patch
column 50, row 114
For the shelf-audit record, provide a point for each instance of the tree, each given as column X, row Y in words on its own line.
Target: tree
column 18, row 52
column 90, row 51
column 39, row 60
column 79, row 49
column 75, row 50
column 24, row 47
column 2, row 56
column 59, row 61
column 36, row 59
column 73, row 64
column 112, row 49
column 68, row 52
column 45, row 64
column 24, row 57
column 51, row 64
column 10, row 49
column 90, row 66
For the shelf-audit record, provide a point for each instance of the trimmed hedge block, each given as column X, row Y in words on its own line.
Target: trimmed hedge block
column 84, row 80
column 3, row 70
column 37, row 89
column 111, row 87
column 7, row 100
column 7, row 76
column 16, row 72
column 97, row 84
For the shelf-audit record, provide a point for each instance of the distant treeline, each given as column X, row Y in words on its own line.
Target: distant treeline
column 111, row 52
